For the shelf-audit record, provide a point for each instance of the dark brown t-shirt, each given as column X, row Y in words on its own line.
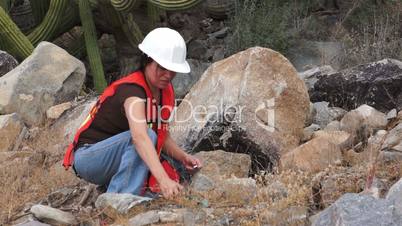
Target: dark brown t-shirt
column 111, row 118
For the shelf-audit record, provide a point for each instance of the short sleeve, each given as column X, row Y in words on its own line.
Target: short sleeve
column 125, row 91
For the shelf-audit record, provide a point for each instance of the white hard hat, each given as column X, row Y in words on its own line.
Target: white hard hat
column 167, row 48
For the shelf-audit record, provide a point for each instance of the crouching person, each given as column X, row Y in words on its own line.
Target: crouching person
column 119, row 143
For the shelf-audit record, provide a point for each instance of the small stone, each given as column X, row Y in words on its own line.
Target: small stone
column 146, row 218
column 219, row 34
column 171, row 216
column 55, row 111
column 202, row 183
column 52, row 215
column 32, row 223
column 309, row 131
column 392, row 114
column 122, row 203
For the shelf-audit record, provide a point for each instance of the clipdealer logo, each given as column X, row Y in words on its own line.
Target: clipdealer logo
column 264, row 113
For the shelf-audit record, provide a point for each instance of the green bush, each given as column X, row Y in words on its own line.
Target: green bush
column 268, row 23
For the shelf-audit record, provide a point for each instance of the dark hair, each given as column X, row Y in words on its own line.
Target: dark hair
column 144, row 60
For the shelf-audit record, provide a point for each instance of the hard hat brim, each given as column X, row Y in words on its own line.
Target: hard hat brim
column 175, row 67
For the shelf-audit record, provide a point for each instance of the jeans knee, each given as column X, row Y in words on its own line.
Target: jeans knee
column 152, row 135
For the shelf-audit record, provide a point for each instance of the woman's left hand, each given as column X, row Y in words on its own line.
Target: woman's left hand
column 191, row 163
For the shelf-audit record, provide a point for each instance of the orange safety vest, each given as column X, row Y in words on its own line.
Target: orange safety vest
column 161, row 130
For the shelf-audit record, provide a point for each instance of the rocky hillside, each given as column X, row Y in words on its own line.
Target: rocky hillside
column 308, row 162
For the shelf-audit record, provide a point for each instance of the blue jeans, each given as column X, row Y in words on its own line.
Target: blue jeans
column 113, row 162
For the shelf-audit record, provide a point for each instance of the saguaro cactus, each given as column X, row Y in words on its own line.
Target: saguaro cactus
column 39, row 9
column 13, row 40
column 47, row 29
column 174, row 4
column 124, row 5
column 92, row 46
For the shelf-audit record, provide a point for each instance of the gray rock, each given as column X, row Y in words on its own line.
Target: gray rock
column 219, row 34
column 68, row 124
column 55, row 112
column 196, row 49
column 392, row 114
column 175, row 215
column 182, row 83
column 376, row 84
column 146, row 218
column 219, row 54
column 122, row 203
column 311, row 76
column 333, row 126
column 11, row 127
column 309, row 131
column 52, row 215
column 393, row 141
column 7, row 63
column 252, row 102
column 202, row 183
column 32, row 223
column 395, row 197
column 49, row 76
column 356, row 209
column 310, row 115
column 325, row 114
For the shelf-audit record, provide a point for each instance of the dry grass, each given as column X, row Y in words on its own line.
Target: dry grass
column 28, row 178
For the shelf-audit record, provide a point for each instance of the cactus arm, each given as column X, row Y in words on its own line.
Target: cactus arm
column 47, row 29
column 71, row 18
column 174, row 4
column 5, row 4
column 122, row 22
column 39, row 9
column 14, row 41
column 132, row 31
column 92, row 45
column 124, row 5
column 153, row 13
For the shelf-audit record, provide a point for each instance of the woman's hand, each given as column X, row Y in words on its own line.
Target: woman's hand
column 170, row 188
column 191, row 162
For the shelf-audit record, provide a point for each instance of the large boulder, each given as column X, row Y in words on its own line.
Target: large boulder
column 376, row 84
column 7, row 63
column 49, row 76
column 395, row 196
column 357, row 209
column 67, row 125
column 252, row 102
column 10, row 130
column 317, row 154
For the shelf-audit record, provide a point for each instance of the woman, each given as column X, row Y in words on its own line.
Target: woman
column 119, row 143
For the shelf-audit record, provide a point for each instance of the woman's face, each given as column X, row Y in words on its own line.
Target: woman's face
column 158, row 76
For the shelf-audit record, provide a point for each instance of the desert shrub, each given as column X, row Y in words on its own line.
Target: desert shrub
column 374, row 33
